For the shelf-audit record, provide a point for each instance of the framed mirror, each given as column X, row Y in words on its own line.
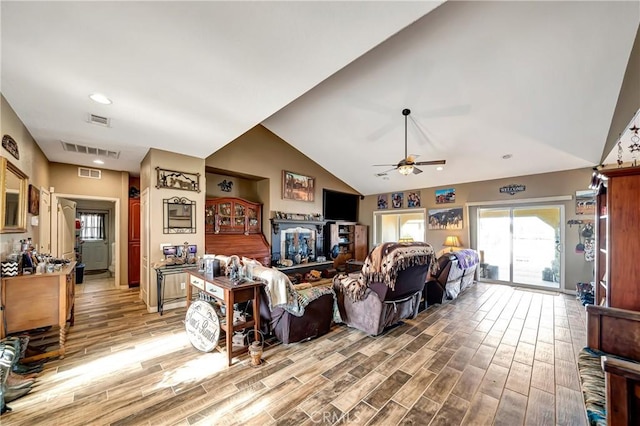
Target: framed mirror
column 179, row 216
column 13, row 191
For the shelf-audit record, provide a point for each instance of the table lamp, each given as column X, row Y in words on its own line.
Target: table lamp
column 452, row 241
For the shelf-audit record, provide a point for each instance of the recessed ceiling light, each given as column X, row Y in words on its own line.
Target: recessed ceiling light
column 98, row 161
column 506, row 156
column 439, row 168
column 100, row 98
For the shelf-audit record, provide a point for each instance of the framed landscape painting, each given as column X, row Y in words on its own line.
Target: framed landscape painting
column 298, row 187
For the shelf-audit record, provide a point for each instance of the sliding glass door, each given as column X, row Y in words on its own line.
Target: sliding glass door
column 521, row 245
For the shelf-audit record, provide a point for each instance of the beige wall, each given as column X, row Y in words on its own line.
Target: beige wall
column 32, row 162
column 241, row 188
column 537, row 186
column 155, row 222
column 261, row 153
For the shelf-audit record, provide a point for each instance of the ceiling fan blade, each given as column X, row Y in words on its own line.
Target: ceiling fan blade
column 430, row 163
column 383, row 165
column 416, row 171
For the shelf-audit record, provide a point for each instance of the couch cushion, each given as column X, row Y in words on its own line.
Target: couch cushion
column 593, row 390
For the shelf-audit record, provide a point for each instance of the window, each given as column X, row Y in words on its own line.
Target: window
column 93, row 226
column 408, row 225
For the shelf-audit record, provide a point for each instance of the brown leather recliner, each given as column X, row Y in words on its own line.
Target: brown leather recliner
column 456, row 272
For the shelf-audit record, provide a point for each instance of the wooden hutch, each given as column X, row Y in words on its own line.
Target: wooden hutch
column 234, row 226
column 617, row 269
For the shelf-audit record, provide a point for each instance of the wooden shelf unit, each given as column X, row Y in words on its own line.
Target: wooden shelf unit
column 617, row 244
column 350, row 238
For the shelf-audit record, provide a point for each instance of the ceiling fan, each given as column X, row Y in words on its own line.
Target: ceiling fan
column 407, row 165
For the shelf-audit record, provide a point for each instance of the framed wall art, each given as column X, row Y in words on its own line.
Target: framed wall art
column 446, row 196
column 397, row 199
column 179, row 216
column 445, row 218
column 174, row 179
column 585, row 203
column 413, row 199
column 383, row 201
column 298, row 187
column 34, row 200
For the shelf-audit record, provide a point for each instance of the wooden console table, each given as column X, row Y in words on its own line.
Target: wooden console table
column 39, row 300
column 225, row 291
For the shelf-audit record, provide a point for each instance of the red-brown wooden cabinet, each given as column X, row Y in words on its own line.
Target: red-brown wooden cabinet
column 134, row 242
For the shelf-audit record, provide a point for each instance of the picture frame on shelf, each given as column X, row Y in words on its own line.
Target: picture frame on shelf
column 298, row 187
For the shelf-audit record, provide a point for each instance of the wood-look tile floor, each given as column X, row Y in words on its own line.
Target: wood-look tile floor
column 496, row 355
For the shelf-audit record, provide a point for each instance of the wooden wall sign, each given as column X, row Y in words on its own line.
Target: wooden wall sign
column 10, row 145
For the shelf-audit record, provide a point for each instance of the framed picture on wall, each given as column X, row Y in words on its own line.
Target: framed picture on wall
column 383, row 201
column 445, row 218
column 298, row 187
column 413, row 199
column 445, row 195
column 585, row 203
column 397, row 199
column 34, row 200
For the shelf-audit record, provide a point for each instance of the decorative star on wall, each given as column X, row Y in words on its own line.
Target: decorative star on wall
column 634, row 129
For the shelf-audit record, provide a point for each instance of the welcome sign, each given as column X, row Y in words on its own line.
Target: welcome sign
column 512, row 189
column 202, row 326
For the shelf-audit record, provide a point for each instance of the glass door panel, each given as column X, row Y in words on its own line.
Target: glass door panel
column 393, row 226
column 520, row 245
column 536, row 235
column 494, row 243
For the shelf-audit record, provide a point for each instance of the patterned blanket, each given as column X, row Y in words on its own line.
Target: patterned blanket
column 466, row 258
column 383, row 264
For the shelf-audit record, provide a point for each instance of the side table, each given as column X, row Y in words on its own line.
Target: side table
column 224, row 290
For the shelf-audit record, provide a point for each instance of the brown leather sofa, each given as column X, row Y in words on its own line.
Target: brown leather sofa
column 455, row 273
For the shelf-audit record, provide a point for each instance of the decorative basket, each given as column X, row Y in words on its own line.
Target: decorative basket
column 9, row 269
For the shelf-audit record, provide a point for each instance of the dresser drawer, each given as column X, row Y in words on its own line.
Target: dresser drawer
column 214, row 290
column 198, row 282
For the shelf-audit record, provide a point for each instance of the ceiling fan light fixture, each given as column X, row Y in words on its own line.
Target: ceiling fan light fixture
column 406, row 169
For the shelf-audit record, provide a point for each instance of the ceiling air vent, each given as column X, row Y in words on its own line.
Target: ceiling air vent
column 89, row 173
column 82, row 149
column 99, row 120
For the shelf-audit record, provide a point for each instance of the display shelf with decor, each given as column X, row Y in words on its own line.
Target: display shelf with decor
column 616, row 245
column 234, row 226
column 347, row 240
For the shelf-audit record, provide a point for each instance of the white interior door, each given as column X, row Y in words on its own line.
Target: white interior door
column 44, row 222
column 66, row 221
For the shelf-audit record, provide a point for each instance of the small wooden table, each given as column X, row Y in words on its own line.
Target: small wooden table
column 225, row 291
column 39, row 300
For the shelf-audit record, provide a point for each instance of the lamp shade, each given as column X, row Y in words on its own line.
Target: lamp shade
column 452, row 241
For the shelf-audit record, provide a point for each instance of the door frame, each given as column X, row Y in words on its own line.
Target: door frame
column 116, row 218
column 531, row 201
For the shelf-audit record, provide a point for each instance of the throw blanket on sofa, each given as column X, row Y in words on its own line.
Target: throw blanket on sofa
column 466, row 258
column 383, row 264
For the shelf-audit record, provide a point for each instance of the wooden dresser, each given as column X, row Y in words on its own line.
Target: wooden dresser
column 39, row 300
column 617, row 268
column 234, row 226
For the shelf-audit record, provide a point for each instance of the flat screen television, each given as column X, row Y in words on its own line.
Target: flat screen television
column 339, row 206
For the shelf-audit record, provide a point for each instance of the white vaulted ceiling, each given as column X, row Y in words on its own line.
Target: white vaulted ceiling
column 538, row 80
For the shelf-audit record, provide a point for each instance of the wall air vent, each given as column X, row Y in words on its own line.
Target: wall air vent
column 82, row 149
column 99, row 120
column 89, row 173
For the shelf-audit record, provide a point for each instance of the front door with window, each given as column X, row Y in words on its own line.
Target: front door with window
column 95, row 245
column 521, row 245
